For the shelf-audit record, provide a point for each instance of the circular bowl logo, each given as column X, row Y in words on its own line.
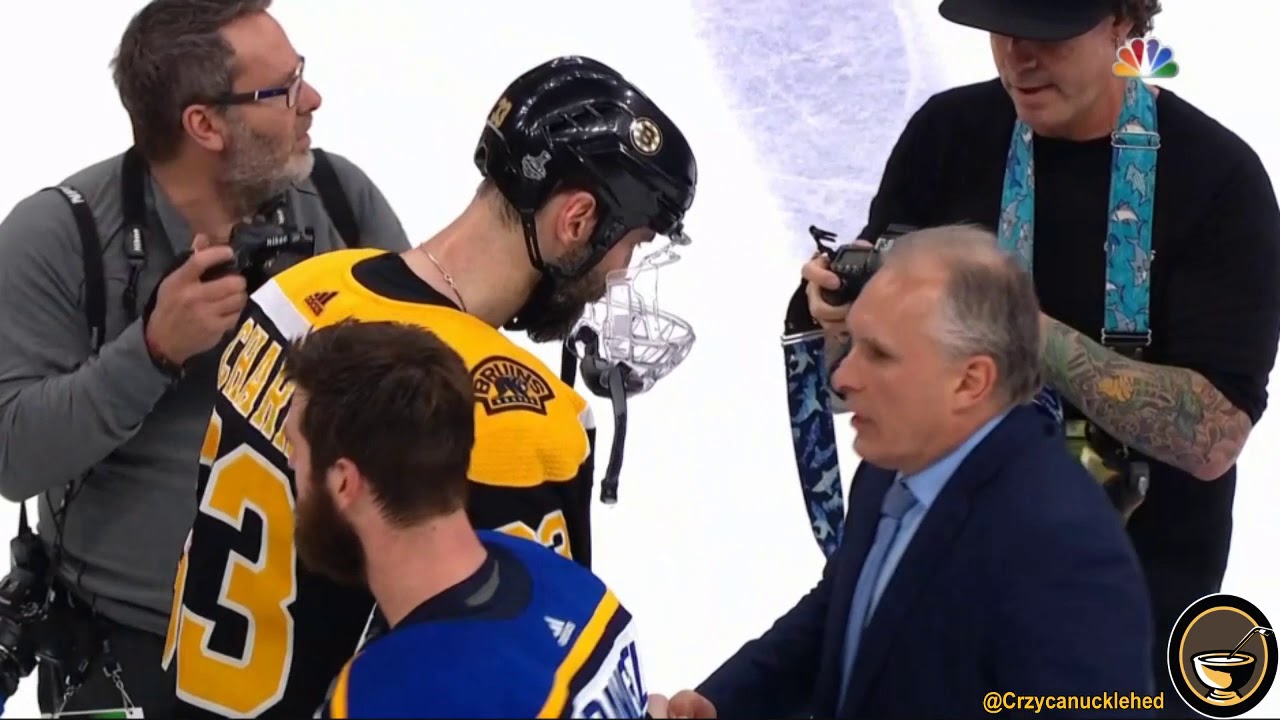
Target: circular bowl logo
column 1222, row 656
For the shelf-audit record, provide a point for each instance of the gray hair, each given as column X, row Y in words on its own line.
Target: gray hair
column 989, row 304
column 170, row 56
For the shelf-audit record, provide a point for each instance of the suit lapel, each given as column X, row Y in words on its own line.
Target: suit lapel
column 867, row 491
column 931, row 545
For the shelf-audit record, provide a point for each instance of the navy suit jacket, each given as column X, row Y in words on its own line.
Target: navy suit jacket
column 1020, row 579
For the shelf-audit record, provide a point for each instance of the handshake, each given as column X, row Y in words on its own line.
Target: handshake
column 684, row 704
column 833, row 280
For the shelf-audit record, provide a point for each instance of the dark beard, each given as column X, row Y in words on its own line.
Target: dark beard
column 554, row 307
column 327, row 543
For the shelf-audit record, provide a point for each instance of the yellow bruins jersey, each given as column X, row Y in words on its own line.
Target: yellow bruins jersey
column 252, row 633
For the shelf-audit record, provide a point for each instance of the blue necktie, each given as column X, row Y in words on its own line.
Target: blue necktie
column 896, row 504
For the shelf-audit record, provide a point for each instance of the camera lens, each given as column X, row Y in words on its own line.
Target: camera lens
column 11, row 667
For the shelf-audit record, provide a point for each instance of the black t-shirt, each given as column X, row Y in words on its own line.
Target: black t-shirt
column 1215, row 298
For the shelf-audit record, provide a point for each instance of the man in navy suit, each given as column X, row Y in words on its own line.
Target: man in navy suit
column 979, row 557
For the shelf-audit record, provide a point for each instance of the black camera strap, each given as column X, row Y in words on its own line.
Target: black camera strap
column 134, row 209
column 334, row 198
column 133, row 204
column 95, row 291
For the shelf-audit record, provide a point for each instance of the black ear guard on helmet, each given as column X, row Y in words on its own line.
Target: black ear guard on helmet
column 604, row 379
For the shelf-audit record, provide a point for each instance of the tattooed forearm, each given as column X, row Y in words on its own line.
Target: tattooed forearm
column 1171, row 414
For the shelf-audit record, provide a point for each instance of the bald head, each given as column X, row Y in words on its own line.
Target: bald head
column 986, row 303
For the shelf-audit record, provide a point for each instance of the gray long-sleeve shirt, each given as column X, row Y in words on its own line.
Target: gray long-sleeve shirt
column 64, row 413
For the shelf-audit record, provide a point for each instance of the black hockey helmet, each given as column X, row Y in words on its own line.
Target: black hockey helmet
column 574, row 122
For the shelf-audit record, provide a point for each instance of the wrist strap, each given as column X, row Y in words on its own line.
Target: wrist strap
column 167, row 367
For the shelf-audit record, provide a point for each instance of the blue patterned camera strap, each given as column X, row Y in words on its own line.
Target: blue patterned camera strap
column 813, row 436
column 1126, row 318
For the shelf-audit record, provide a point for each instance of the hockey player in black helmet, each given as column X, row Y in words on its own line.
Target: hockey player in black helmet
column 587, row 168
column 572, row 139
column 579, row 170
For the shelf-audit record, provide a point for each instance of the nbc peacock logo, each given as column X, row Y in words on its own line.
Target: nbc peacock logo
column 1145, row 58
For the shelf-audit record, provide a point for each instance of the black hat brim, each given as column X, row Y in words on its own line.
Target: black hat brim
column 1043, row 20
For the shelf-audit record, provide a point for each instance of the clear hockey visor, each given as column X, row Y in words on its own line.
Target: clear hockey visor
column 630, row 326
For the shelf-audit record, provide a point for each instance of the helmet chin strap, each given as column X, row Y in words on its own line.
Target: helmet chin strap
column 600, row 244
column 531, row 243
column 603, row 378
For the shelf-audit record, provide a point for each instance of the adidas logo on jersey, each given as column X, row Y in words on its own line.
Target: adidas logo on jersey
column 316, row 301
column 562, row 629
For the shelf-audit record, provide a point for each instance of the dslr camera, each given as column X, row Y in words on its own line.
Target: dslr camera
column 265, row 247
column 34, row 625
column 854, row 264
column 38, row 623
column 25, row 599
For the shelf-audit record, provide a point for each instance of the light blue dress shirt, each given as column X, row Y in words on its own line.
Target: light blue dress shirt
column 909, row 499
column 925, row 486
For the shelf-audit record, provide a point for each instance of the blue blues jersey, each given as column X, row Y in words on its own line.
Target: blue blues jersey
column 531, row 634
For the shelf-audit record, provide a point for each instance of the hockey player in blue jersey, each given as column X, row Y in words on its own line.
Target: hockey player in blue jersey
column 482, row 624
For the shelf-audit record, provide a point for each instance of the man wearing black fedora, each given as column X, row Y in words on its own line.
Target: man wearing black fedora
column 1153, row 235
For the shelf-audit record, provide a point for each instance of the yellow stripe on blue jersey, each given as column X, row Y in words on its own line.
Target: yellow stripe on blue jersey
column 583, row 649
column 570, row 652
column 338, row 705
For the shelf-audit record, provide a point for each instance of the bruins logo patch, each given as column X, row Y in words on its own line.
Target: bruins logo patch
column 502, row 384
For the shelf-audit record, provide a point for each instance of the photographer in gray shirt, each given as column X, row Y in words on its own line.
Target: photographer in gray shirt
column 102, row 419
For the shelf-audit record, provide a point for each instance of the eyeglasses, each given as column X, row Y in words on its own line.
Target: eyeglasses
column 290, row 92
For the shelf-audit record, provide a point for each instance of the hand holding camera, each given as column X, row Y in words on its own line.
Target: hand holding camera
column 834, row 279
column 191, row 313
column 261, row 250
column 829, row 293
